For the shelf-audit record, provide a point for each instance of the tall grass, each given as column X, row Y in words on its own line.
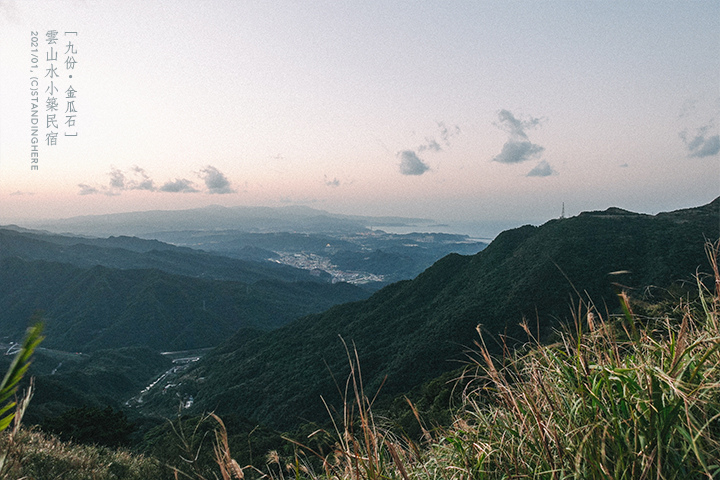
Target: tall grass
column 617, row 397
column 36, row 455
column 9, row 408
column 12, row 410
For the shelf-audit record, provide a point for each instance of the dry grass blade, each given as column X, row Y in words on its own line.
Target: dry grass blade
column 229, row 468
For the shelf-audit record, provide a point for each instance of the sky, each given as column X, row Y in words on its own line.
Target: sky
column 459, row 111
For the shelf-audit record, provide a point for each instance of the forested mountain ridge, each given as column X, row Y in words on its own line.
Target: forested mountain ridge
column 412, row 331
column 373, row 258
column 125, row 252
column 92, row 308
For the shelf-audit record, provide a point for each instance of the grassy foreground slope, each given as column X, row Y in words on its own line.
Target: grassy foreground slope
column 412, row 331
column 623, row 396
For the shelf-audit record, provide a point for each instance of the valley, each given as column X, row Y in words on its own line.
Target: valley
column 261, row 327
column 412, row 331
column 179, row 290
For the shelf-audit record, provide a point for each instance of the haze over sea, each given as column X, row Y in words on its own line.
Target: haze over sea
column 484, row 231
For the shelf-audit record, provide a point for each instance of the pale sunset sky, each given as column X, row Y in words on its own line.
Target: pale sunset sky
column 464, row 111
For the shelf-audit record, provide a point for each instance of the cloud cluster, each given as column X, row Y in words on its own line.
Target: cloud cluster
column 518, row 151
column 86, row 189
column 411, row 164
column 518, row 148
column 331, row 183
column 430, row 144
column 215, row 181
column 446, row 133
column 138, row 179
column 703, row 143
column 514, row 126
column 179, row 185
column 542, row 169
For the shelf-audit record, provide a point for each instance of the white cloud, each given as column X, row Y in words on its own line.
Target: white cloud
column 117, row 179
column 145, row 182
column 542, row 169
column 410, row 163
column 138, row 179
column 518, row 151
column 518, row 148
column 430, row 144
column 179, row 185
column 87, row 189
column 514, row 126
column 332, row 183
column 703, row 143
column 446, row 133
column 215, row 181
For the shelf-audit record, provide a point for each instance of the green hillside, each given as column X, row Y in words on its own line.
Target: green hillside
column 624, row 396
column 413, row 331
column 93, row 308
column 134, row 253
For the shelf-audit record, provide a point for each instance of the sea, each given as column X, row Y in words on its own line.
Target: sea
column 481, row 231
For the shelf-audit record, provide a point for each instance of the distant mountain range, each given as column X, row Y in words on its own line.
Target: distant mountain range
column 98, row 307
column 123, row 299
column 125, row 252
column 122, row 291
column 374, row 258
column 126, row 291
column 412, row 331
column 348, row 248
column 249, row 219
column 127, row 298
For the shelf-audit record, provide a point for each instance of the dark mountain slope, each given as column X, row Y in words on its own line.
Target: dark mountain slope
column 99, row 307
column 134, row 253
column 415, row 330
